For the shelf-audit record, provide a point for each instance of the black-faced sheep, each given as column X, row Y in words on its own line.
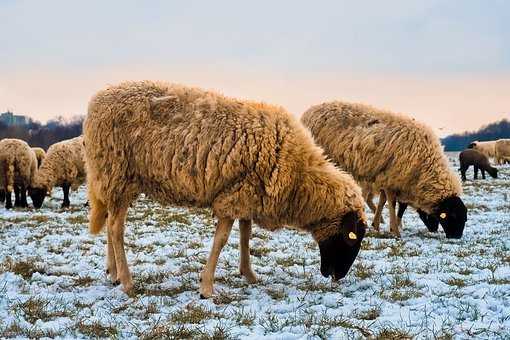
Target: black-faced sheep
column 478, row 160
column 18, row 165
column 396, row 154
column 64, row 166
column 248, row 161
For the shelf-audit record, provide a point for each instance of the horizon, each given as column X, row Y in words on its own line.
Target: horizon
column 445, row 64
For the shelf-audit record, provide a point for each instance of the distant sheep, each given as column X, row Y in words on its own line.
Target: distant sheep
column 396, row 154
column 502, row 151
column 39, row 154
column 248, row 161
column 487, row 148
column 18, row 165
column 64, row 166
column 478, row 160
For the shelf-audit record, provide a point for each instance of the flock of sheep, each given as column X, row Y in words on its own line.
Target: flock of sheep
column 246, row 161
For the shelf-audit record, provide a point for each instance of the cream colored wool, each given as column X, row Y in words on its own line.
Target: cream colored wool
column 40, row 154
column 189, row 147
column 487, row 148
column 502, row 151
column 64, row 163
column 18, row 164
column 388, row 150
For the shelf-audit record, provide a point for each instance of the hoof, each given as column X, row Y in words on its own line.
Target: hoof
column 107, row 271
column 202, row 297
column 116, row 283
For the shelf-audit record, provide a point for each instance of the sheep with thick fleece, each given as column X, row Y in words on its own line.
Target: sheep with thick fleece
column 40, row 154
column 18, row 165
column 248, row 161
column 396, row 154
column 502, row 151
column 488, row 148
column 64, row 166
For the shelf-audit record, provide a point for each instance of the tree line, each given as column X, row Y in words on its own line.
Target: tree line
column 493, row 131
column 44, row 135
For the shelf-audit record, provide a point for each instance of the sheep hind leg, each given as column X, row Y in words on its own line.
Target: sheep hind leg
column 244, row 249
column 116, row 228
column 111, row 266
column 378, row 213
column 221, row 235
column 23, row 196
column 394, row 225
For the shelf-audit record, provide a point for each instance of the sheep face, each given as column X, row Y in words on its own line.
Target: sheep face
column 472, row 145
column 37, row 195
column 339, row 250
column 493, row 172
column 452, row 214
column 430, row 221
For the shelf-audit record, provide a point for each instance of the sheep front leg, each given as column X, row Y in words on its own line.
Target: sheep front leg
column 117, row 237
column 221, row 235
column 392, row 200
column 8, row 199
column 244, row 245
column 66, row 203
column 378, row 213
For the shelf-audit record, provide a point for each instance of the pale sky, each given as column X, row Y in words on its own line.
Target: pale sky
column 447, row 63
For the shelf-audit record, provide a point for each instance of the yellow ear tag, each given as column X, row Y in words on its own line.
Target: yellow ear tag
column 443, row 215
column 353, row 236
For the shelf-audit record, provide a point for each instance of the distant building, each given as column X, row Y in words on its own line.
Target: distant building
column 9, row 119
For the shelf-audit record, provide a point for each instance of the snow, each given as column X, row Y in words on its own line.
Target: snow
column 422, row 285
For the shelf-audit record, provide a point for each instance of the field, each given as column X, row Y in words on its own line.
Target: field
column 53, row 281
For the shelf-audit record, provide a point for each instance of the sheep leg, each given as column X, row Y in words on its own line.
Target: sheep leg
column 392, row 200
column 66, row 202
column 8, row 200
column 378, row 213
column 117, row 237
column 245, row 265
column 17, row 197
column 476, row 172
column 463, row 173
column 401, row 210
column 483, row 173
column 2, row 195
column 111, row 267
column 221, row 235
column 23, row 194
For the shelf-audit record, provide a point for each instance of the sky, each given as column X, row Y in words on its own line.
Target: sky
column 446, row 63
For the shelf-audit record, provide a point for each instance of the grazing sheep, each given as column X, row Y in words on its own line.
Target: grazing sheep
column 248, row 161
column 502, row 151
column 18, row 165
column 64, row 166
column 396, row 154
column 487, row 148
column 39, row 154
column 478, row 160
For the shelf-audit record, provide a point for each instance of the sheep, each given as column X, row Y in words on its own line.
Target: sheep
column 40, row 154
column 396, row 154
column 478, row 160
column 64, row 166
column 502, row 151
column 487, row 148
column 18, row 165
column 245, row 160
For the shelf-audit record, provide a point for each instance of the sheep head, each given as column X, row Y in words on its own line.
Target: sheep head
column 37, row 195
column 430, row 221
column 452, row 214
column 339, row 244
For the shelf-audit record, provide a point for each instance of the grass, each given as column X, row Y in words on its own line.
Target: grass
column 24, row 268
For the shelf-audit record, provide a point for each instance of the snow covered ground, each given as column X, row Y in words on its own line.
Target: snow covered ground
column 53, row 282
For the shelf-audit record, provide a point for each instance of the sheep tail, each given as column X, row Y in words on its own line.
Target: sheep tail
column 98, row 211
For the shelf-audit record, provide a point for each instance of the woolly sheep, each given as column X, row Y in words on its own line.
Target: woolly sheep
column 478, row 160
column 502, row 151
column 248, row 161
column 40, row 154
column 394, row 153
column 64, row 166
column 487, row 148
column 18, row 165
